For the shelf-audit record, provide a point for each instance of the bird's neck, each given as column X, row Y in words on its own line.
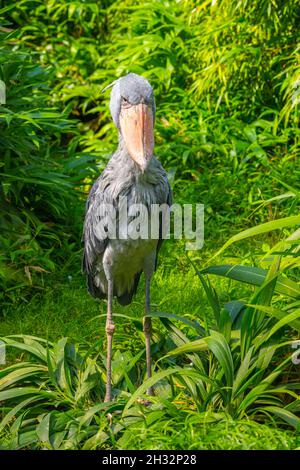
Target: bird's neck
column 122, row 149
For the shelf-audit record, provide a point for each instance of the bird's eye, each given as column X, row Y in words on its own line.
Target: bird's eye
column 125, row 103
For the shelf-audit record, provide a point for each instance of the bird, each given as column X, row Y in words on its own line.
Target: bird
column 114, row 265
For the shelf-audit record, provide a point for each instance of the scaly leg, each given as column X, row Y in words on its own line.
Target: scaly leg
column 109, row 328
column 147, row 328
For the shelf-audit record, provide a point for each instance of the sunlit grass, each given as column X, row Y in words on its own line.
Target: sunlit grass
column 66, row 309
column 207, row 433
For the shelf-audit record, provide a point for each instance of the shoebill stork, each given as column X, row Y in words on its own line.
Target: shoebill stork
column 114, row 266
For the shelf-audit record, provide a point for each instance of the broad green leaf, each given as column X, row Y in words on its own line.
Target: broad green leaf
column 220, row 348
column 174, row 317
column 254, row 276
column 33, row 348
column 257, row 391
column 285, row 415
column 191, row 346
column 242, row 372
column 225, row 324
column 16, row 392
column 2, row 92
column 284, row 318
column 22, row 373
column 43, row 429
column 15, row 410
column 211, row 296
column 260, row 229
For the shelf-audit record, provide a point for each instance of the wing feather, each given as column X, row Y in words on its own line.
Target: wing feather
column 161, row 240
column 94, row 247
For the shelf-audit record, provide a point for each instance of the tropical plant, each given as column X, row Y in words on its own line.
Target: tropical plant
column 36, row 191
column 239, row 363
column 49, row 400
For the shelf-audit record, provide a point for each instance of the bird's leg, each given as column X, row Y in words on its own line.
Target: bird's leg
column 109, row 328
column 147, row 328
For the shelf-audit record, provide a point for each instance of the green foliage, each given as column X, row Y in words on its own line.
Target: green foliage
column 202, row 431
column 36, row 194
column 49, row 402
column 236, row 361
column 232, row 365
column 226, row 79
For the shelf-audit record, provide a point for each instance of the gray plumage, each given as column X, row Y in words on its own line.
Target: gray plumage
column 132, row 87
column 127, row 259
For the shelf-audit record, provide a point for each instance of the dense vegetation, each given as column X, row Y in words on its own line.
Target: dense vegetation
column 227, row 81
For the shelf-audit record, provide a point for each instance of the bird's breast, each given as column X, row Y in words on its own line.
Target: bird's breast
column 129, row 256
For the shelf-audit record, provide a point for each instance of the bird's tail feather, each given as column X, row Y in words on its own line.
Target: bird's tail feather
column 123, row 299
column 126, row 297
column 93, row 289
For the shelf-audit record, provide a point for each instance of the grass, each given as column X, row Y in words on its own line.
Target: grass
column 64, row 308
column 225, row 434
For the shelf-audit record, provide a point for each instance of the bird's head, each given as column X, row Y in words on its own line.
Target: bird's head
column 132, row 107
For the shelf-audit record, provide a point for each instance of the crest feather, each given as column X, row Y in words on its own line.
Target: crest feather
column 110, row 85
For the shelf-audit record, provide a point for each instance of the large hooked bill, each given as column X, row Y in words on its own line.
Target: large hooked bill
column 136, row 123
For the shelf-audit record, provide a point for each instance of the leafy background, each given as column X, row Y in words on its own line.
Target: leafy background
column 227, row 83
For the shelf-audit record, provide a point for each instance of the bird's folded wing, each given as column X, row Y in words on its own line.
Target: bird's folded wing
column 94, row 245
column 161, row 239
